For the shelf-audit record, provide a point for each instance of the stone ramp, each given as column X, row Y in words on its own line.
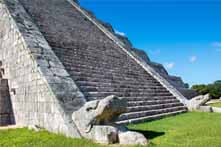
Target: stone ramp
column 97, row 64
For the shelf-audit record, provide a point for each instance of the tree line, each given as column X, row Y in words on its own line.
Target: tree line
column 213, row 89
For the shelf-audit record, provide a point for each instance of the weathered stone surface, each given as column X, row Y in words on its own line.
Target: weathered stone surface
column 141, row 54
column 50, row 48
column 104, row 134
column 197, row 102
column 95, row 120
column 98, row 112
column 125, row 40
column 29, row 61
column 177, row 82
column 188, row 93
column 94, row 61
column 132, row 138
column 34, row 128
column 216, row 109
column 204, row 109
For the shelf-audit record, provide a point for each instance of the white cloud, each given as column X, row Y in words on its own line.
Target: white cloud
column 216, row 44
column 169, row 65
column 193, row 59
column 120, row 33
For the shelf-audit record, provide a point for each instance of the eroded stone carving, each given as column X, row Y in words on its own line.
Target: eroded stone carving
column 198, row 104
column 95, row 121
column 130, row 138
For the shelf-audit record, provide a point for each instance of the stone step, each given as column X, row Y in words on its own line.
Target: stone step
column 124, row 87
column 126, row 72
column 110, row 89
column 153, row 107
column 86, row 83
column 108, row 69
column 125, row 94
column 148, row 118
column 95, row 59
column 114, row 75
column 81, row 68
column 85, row 53
column 132, row 115
column 105, row 62
column 134, row 99
column 155, row 98
column 151, row 102
column 101, row 62
column 115, row 79
column 110, row 75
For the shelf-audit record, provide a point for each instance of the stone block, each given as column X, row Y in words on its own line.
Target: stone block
column 216, row 109
column 132, row 138
column 198, row 101
column 205, row 109
column 104, row 134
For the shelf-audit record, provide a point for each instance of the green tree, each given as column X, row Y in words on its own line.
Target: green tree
column 213, row 89
column 217, row 82
column 201, row 89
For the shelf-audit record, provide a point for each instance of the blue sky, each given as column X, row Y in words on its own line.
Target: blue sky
column 184, row 35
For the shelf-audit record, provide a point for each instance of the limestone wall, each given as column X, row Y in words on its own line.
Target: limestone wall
column 42, row 93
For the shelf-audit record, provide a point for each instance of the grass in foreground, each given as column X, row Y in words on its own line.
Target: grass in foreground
column 216, row 104
column 26, row 138
column 193, row 129
column 185, row 130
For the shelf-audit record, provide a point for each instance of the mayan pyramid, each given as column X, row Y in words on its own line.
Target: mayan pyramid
column 56, row 56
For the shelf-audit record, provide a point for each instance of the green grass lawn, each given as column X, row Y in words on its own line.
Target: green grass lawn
column 186, row 130
column 216, row 104
column 193, row 129
column 26, row 138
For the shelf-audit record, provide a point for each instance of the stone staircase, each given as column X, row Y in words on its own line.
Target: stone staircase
column 98, row 65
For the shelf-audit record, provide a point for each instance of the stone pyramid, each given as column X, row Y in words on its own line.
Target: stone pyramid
column 57, row 56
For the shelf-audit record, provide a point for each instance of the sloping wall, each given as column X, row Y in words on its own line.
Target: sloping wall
column 42, row 93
